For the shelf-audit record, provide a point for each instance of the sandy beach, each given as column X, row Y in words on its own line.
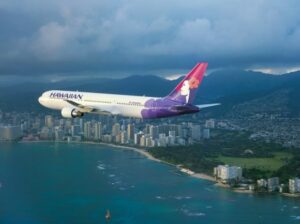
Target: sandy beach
column 149, row 156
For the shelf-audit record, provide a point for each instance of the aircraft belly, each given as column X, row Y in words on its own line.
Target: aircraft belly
column 130, row 111
column 114, row 109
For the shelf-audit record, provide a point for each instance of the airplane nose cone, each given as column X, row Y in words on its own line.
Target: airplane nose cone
column 40, row 100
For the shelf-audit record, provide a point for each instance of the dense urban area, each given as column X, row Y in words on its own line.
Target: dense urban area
column 237, row 153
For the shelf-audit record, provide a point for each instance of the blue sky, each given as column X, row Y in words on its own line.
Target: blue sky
column 102, row 38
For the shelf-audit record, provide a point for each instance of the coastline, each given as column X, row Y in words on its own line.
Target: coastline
column 148, row 155
column 143, row 152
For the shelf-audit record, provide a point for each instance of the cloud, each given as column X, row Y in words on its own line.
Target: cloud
column 98, row 36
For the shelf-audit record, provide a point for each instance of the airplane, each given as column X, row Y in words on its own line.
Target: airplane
column 75, row 104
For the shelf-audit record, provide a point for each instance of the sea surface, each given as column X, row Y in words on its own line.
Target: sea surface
column 77, row 183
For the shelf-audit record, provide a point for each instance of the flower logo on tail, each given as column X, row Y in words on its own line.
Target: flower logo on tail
column 194, row 83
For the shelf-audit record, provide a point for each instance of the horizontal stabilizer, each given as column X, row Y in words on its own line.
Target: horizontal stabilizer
column 208, row 105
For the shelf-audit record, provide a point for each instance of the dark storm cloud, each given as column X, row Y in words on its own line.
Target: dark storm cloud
column 67, row 36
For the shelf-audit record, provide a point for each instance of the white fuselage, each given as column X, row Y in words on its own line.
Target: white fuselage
column 125, row 105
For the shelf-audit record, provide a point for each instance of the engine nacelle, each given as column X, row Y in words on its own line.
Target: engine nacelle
column 69, row 112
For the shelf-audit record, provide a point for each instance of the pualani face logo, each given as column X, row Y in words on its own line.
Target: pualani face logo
column 187, row 85
column 58, row 95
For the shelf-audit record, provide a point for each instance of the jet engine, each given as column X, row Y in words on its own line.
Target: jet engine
column 69, row 112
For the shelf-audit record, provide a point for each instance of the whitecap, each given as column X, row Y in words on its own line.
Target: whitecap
column 296, row 217
column 159, row 197
column 189, row 213
column 196, row 214
column 182, row 197
column 178, row 197
column 101, row 167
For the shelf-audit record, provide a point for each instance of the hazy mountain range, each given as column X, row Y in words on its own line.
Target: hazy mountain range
column 242, row 92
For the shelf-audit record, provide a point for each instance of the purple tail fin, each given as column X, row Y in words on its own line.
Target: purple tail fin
column 186, row 90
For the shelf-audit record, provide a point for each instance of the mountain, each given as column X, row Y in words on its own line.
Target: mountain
column 281, row 99
column 23, row 97
column 240, row 92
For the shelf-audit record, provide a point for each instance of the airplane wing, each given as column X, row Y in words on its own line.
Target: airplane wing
column 88, row 109
column 207, row 105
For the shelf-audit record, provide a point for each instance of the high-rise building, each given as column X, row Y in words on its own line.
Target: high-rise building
column 58, row 133
column 143, row 141
column 147, row 129
column 124, row 136
column 171, row 140
column 149, row 142
column 46, row 133
column 68, row 123
column 172, row 134
column 10, row 132
column 180, row 131
column 62, row 122
column 49, row 121
column 162, row 140
column 227, row 173
column 98, row 131
column 262, row 183
column 273, row 184
column 75, row 130
column 196, row 132
column 154, row 131
column 163, row 129
column 87, row 130
column 118, row 138
column 210, row 123
column 106, row 138
column 206, row 133
column 115, row 129
column 294, row 185
column 81, row 124
column 24, row 126
column 130, row 132
column 137, row 138
column 173, row 127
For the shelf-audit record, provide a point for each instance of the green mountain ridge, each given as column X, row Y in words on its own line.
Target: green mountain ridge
column 240, row 92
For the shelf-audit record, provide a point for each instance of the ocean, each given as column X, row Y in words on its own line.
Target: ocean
column 78, row 183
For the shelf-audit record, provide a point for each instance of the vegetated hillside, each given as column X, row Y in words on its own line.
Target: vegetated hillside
column 231, row 82
column 282, row 99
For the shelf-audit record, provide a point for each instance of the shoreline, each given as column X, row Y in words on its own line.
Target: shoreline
column 202, row 176
column 143, row 152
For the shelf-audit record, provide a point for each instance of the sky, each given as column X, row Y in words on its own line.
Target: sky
column 61, row 38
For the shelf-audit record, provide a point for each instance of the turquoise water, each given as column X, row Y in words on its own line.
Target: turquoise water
column 76, row 183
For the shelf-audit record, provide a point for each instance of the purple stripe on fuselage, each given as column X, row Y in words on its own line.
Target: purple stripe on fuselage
column 157, row 108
